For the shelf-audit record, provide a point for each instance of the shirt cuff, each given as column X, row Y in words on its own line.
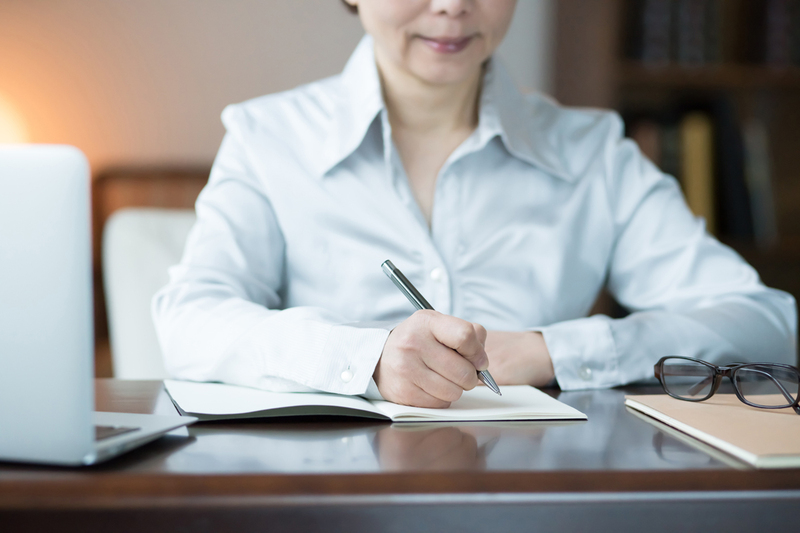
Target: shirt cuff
column 372, row 392
column 350, row 356
column 583, row 352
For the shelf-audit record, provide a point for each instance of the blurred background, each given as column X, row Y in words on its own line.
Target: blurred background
column 710, row 89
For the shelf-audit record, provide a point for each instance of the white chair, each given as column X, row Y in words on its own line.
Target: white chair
column 139, row 245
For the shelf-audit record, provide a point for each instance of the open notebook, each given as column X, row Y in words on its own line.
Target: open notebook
column 215, row 401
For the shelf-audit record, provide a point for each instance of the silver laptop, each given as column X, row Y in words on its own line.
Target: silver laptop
column 46, row 320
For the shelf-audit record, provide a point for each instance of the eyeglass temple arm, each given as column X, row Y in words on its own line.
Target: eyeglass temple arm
column 777, row 383
column 700, row 385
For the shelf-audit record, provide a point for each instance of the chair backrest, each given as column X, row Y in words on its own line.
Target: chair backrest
column 139, row 246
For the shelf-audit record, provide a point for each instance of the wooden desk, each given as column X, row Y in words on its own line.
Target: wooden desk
column 614, row 471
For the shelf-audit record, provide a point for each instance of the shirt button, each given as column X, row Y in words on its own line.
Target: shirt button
column 437, row 274
column 585, row 373
column 347, row 376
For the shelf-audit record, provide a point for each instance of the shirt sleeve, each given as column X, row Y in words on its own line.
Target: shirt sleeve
column 688, row 294
column 221, row 316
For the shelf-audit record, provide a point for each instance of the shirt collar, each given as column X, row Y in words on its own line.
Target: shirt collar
column 357, row 102
column 525, row 125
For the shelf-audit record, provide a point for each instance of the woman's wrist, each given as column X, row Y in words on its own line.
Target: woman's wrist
column 541, row 361
column 519, row 358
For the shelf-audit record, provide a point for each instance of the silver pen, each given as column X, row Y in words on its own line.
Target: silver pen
column 420, row 302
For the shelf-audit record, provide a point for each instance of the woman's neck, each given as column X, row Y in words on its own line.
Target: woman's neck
column 424, row 108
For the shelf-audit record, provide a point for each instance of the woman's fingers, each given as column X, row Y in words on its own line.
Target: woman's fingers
column 439, row 386
column 430, row 359
column 464, row 337
column 452, row 366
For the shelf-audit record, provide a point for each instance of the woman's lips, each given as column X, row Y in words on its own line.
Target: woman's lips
column 447, row 46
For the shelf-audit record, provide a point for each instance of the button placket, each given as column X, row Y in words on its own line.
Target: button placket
column 439, row 286
column 446, row 232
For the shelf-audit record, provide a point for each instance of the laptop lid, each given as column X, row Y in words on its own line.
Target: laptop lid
column 46, row 334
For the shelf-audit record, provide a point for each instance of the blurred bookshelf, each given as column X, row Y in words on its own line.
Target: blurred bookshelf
column 710, row 89
column 725, row 77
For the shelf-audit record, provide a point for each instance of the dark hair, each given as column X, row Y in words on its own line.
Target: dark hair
column 351, row 9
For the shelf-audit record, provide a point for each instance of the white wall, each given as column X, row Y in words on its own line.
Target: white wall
column 529, row 47
column 144, row 81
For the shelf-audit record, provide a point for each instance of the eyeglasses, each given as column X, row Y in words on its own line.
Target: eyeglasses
column 765, row 385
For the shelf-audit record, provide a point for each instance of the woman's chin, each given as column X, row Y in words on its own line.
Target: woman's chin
column 447, row 74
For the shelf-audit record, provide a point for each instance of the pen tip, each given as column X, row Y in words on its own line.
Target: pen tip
column 487, row 380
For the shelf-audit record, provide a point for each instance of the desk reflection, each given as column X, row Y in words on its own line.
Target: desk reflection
column 611, row 439
column 401, row 448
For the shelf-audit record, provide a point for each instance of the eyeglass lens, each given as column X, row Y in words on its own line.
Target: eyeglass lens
column 687, row 379
column 767, row 385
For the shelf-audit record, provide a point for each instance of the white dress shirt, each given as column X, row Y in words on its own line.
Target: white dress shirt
column 281, row 287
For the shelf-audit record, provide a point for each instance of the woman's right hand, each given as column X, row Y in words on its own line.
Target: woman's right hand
column 430, row 359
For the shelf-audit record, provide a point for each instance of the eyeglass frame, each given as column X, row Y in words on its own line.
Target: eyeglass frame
column 729, row 371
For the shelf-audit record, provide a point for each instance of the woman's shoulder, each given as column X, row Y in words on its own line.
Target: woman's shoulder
column 590, row 145
column 300, row 111
column 571, row 124
column 566, row 140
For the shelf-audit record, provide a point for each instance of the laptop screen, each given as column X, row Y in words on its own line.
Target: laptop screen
column 46, row 338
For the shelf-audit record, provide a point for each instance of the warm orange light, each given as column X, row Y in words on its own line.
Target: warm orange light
column 12, row 126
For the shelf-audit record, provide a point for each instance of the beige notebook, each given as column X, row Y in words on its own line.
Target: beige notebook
column 215, row 401
column 764, row 438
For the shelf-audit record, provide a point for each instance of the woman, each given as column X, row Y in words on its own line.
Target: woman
column 508, row 212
